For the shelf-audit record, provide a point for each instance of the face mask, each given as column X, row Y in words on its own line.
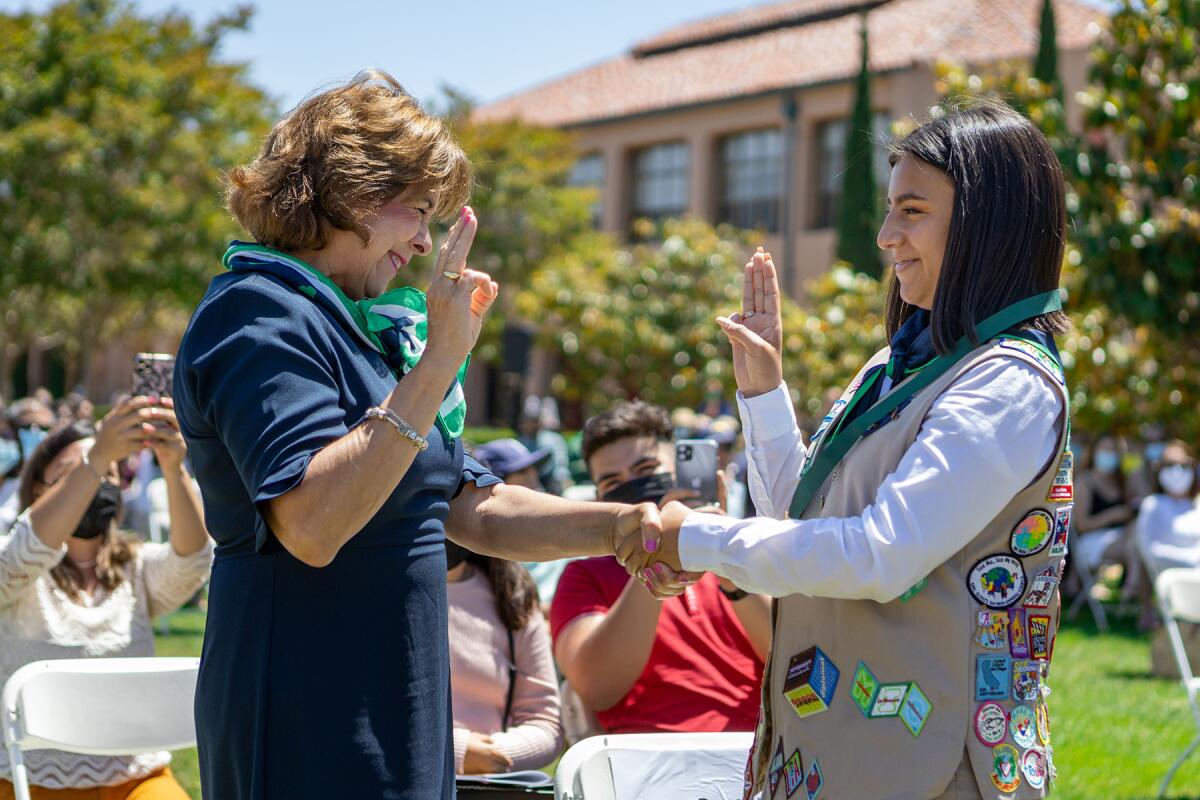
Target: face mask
column 1107, row 460
column 10, row 456
column 1177, row 479
column 649, row 489
column 455, row 554
column 100, row 513
column 30, row 438
column 1154, row 451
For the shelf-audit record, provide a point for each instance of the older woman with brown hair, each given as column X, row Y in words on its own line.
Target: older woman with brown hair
column 324, row 418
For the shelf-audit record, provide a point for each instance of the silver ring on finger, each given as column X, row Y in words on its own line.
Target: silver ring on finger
column 452, row 275
column 747, row 314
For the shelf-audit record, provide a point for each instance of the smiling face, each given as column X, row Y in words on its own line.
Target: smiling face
column 920, row 204
column 399, row 231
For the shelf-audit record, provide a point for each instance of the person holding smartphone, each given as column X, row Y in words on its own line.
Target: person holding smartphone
column 917, row 576
column 324, row 417
column 640, row 664
column 73, row 585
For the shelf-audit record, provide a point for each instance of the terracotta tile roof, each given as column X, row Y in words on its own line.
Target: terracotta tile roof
column 726, row 65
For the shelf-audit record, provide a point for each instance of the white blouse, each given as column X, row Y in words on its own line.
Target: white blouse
column 39, row 621
column 987, row 437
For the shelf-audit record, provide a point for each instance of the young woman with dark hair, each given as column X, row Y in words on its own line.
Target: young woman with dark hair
column 917, row 578
column 502, row 679
column 73, row 585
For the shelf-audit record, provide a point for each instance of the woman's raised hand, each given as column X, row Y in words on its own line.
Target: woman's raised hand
column 757, row 332
column 458, row 297
column 126, row 428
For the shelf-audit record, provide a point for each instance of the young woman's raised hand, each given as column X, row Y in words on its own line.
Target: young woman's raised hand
column 458, row 297
column 125, row 429
column 757, row 332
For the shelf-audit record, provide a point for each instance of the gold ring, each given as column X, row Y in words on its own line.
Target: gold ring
column 452, row 275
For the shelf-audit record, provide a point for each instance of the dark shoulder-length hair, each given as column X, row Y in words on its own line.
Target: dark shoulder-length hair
column 117, row 550
column 512, row 587
column 1008, row 227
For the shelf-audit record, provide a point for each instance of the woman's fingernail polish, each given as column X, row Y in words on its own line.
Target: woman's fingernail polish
column 647, row 574
column 658, row 569
column 651, row 546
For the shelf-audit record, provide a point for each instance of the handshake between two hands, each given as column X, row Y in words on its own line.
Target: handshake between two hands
column 646, row 542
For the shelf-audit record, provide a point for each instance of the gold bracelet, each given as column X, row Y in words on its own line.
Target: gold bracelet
column 396, row 421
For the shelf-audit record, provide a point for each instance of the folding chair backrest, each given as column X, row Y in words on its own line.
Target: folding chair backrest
column 1179, row 593
column 103, row 706
column 664, row 766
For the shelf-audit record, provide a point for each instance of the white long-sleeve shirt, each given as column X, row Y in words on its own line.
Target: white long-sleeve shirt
column 989, row 435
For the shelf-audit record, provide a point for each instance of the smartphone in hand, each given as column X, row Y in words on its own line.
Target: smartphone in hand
column 696, row 468
column 153, row 374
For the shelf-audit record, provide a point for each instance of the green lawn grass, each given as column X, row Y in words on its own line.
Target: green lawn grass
column 1115, row 729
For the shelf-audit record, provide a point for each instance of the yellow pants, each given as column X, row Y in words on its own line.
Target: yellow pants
column 159, row 785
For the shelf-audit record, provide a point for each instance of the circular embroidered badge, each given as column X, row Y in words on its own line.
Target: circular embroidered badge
column 1043, row 724
column 1006, row 773
column 1033, row 767
column 1023, row 727
column 991, row 724
column 1033, row 533
column 997, row 581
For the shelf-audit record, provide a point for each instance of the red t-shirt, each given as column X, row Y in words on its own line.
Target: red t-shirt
column 702, row 675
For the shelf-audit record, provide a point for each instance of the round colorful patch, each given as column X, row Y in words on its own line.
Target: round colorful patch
column 1034, row 767
column 991, row 723
column 1043, row 724
column 1006, row 772
column 997, row 581
column 1033, row 533
column 1023, row 727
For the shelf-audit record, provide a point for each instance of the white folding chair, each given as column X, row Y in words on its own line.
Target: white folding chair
column 99, row 706
column 664, row 766
column 1087, row 580
column 1179, row 600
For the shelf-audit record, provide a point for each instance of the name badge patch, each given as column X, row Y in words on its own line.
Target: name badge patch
column 997, row 581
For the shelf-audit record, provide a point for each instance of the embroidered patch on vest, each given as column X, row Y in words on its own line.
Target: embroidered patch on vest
column 793, row 774
column 813, row 780
column 1062, row 527
column 864, row 688
column 1043, row 723
column 992, row 677
column 1006, row 775
column 1037, row 355
column 1022, row 726
column 1039, row 637
column 1018, row 645
column 997, row 581
column 1034, row 767
column 888, row 700
column 777, row 767
column 991, row 724
column 810, row 683
column 1033, row 533
column 1026, row 685
column 1041, row 589
column 993, row 630
column 915, row 710
column 1063, row 488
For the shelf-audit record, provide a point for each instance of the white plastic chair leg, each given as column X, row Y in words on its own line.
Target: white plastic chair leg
column 1175, row 767
column 20, row 777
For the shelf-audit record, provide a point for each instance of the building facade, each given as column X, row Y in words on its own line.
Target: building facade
column 742, row 118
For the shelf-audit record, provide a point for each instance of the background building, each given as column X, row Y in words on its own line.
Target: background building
column 742, row 118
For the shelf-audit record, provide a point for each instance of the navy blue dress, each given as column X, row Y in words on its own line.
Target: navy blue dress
column 314, row 683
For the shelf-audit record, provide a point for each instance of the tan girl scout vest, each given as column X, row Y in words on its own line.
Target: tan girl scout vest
column 866, row 700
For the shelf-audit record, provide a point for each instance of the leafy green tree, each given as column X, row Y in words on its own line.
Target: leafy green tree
column 639, row 322
column 1045, row 66
column 857, row 217
column 115, row 128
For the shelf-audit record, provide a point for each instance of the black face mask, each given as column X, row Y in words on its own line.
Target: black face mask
column 649, row 489
column 100, row 514
column 455, row 554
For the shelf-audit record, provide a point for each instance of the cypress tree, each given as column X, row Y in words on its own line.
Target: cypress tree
column 1045, row 68
column 857, row 218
